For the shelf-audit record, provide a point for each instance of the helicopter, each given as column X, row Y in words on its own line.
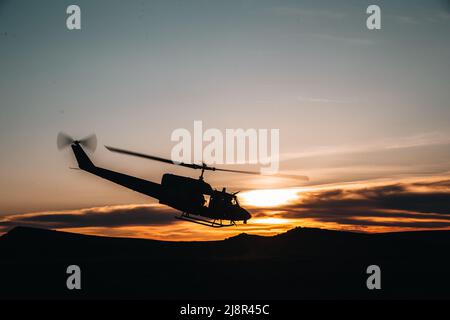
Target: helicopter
column 197, row 201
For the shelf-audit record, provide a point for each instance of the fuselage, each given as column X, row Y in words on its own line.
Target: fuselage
column 195, row 196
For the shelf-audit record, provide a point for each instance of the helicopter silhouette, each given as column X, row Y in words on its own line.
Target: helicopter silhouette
column 197, row 200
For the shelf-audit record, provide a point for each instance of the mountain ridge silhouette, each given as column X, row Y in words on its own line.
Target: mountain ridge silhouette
column 302, row 263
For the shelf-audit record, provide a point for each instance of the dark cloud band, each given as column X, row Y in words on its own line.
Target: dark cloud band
column 117, row 216
column 420, row 205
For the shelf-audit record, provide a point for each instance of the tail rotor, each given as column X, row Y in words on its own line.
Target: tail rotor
column 64, row 140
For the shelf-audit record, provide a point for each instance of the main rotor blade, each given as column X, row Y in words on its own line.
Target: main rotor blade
column 196, row 166
column 280, row 175
column 147, row 156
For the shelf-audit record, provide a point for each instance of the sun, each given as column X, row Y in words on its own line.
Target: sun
column 269, row 197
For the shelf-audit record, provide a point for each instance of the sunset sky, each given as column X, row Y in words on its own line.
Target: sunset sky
column 365, row 114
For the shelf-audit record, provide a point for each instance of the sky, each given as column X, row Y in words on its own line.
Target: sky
column 364, row 113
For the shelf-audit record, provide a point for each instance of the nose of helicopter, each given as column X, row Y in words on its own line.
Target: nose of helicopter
column 245, row 214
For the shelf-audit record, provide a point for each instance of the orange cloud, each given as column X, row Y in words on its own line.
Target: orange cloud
column 412, row 205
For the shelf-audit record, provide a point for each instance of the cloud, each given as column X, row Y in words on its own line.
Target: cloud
column 347, row 39
column 327, row 100
column 398, row 206
column 390, row 197
column 312, row 13
column 406, row 19
column 420, row 205
column 421, row 140
column 111, row 216
column 137, row 221
column 316, row 14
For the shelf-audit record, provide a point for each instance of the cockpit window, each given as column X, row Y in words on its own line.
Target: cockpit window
column 207, row 200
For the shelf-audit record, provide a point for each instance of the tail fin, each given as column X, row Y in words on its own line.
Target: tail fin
column 83, row 160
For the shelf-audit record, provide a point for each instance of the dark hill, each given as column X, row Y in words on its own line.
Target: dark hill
column 301, row 263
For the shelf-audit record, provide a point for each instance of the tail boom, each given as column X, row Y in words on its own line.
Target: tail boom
column 146, row 187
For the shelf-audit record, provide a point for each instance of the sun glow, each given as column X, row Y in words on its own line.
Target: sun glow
column 269, row 197
column 271, row 221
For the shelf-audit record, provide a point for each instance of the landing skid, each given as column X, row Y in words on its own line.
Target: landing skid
column 205, row 222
